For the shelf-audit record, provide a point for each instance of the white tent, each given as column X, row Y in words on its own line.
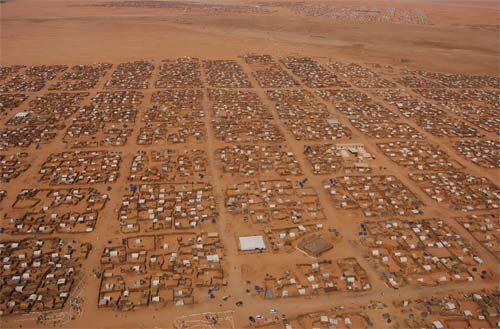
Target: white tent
column 251, row 243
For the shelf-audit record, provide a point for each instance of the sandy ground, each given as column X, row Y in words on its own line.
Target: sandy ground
column 464, row 36
column 463, row 39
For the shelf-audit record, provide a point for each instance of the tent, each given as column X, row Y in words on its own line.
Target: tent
column 252, row 243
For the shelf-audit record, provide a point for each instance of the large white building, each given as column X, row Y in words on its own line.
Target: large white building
column 252, row 243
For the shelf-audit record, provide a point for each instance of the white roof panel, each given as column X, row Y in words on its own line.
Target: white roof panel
column 249, row 243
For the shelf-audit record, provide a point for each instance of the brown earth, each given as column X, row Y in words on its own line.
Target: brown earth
column 464, row 37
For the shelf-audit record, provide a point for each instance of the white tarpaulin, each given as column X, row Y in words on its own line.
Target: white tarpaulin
column 250, row 243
